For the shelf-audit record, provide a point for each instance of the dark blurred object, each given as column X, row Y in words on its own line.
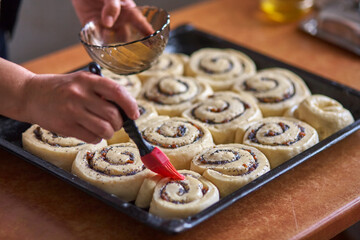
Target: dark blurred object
column 337, row 22
column 352, row 233
column 8, row 13
column 322, row 3
column 3, row 50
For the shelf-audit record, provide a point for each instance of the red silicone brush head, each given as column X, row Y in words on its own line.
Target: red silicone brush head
column 159, row 163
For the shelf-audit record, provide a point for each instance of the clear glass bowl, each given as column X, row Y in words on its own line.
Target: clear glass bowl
column 129, row 53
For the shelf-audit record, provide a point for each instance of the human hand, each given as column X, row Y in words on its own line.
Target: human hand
column 114, row 15
column 76, row 105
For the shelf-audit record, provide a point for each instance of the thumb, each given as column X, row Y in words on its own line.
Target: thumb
column 110, row 12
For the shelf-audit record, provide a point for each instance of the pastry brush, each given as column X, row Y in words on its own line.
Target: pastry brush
column 152, row 157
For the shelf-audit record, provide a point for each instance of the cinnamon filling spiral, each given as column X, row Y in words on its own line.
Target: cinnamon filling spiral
column 182, row 192
column 230, row 166
column 221, row 68
column 146, row 110
column 126, row 81
column 270, row 90
column 162, row 63
column 56, row 140
column 115, row 161
column 180, row 199
column 170, row 90
column 123, row 80
column 219, row 110
column 280, row 138
column 173, row 134
column 142, row 110
column 220, row 64
column 275, row 89
column 217, row 64
column 224, row 113
column 273, row 134
column 229, row 160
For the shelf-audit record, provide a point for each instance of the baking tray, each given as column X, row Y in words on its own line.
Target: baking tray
column 186, row 39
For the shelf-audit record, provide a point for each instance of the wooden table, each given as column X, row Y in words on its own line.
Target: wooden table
column 315, row 200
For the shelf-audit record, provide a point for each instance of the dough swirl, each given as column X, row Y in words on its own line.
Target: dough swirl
column 171, row 95
column 275, row 89
column 113, row 168
column 166, row 64
column 221, row 67
column 280, row 138
column 325, row 114
column 130, row 82
column 147, row 112
column 230, row 166
column 180, row 199
column 223, row 113
column 179, row 138
column 59, row 150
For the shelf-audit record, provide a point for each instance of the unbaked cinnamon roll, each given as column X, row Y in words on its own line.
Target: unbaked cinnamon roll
column 116, row 169
column 275, row 89
column 147, row 112
column 166, row 64
column 180, row 199
column 280, row 138
column 221, row 67
column 56, row 149
column 171, row 95
column 130, row 82
column 325, row 114
column 223, row 113
column 145, row 194
column 179, row 138
column 230, row 166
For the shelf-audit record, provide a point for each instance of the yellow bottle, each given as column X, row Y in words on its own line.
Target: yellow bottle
column 285, row 10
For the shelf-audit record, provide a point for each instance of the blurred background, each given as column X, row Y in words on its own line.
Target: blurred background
column 45, row 26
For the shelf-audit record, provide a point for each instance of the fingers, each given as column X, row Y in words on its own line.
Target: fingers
column 88, row 126
column 84, row 102
column 110, row 12
column 110, row 90
column 69, row 127
column 125, row 4
column 75, row 120
column 123, row 33
column 77, row 105
column 106, row 111
column 133, row 16
column 95, row 125
column 84, row 134
column 139, row 21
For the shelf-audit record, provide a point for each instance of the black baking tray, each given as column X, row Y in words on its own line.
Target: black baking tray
column 186, row 39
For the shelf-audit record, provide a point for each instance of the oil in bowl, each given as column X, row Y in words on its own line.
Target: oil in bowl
column 285, row 10
column 132, row 53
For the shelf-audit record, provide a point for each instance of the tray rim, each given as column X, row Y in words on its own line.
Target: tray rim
column 174, row 226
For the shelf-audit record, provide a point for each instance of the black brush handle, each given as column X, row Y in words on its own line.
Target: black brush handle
column 128, row 124
column 132, row 130
column 95, row 68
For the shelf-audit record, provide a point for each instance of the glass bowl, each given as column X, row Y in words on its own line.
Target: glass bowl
column 128, row 53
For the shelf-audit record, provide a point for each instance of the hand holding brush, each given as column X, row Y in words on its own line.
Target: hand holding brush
column 152, row 157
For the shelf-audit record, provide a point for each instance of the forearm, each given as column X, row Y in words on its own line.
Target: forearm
column 12, row 84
